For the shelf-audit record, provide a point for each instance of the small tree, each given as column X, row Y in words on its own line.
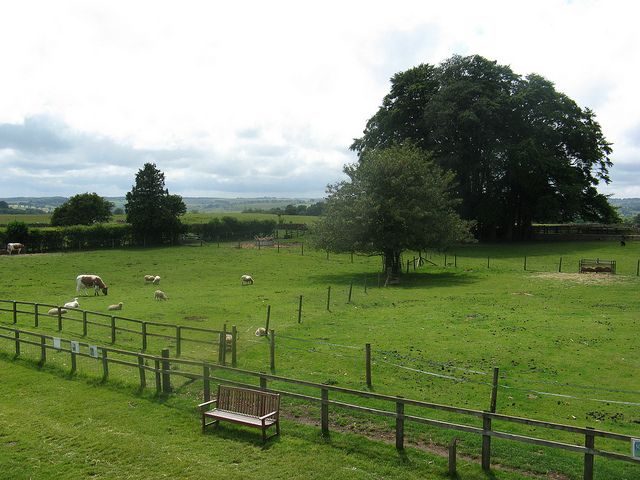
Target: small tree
column 82, row 209
column 151, row 211
column 395, row 199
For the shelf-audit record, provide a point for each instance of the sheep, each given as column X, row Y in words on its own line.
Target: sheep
column 149, row 278
column 247, row 280
column 156, row 280
column 261, row 332
column 160, row 295
column 117, row 306
column 54, row 311
column 73, row 304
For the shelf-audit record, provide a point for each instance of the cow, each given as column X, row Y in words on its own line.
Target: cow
column 85, row 281
column 14, row 247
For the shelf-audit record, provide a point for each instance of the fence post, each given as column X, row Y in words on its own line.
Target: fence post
column 205, row 381
column 367, row 356
column 113, row 329
column 560, row 266
column 84, row 323
column 166, row 376
column 328, row 297
column 452, row 457
column 589, row 442
column 487, row 262
column 455, row 261
column 638, row 269
column 144, row 336
column 43, row 350
column 525, row 263
column 351, row 257
column 16, row 334
column 224, row 344
column 220, row 347
column 234, row 350
column 15, row 312
column 324, row 411
column 494, row 391
column 365, row 284
column 59, row 319
column 486, row 444
column 36, row 319
column 105, row 365
column 143, row 378
column 266, row 327
column 445, row 259
column 73, row 362
column 350, row 290
column 158, row 380
column 178, row 340
column 300, row 310
column 302, row 246
column 263, row 383
column 399, row 425
column 272, row 350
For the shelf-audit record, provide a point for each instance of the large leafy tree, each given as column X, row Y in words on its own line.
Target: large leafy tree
column 152, row 212
column 521, row 151
column 82, row 209
column 395, row 199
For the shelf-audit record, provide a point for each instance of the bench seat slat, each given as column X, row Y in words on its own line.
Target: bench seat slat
column 239, row 418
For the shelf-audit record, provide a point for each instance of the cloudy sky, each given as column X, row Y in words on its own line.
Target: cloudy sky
column 263, row 98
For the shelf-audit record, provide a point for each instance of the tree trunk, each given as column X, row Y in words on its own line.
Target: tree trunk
column 392, row 266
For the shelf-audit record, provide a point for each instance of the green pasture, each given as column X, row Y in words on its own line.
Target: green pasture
column 565, row 343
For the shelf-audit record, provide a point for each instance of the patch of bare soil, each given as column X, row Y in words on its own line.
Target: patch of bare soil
column 583, row 278
column 377, row 433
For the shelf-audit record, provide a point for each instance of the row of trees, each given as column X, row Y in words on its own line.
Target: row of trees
column 315, row 209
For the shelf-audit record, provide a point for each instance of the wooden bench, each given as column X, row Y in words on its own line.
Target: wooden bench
column 253, row 408
column 597, row 266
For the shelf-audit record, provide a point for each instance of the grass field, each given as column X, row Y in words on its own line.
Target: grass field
column 551, row 333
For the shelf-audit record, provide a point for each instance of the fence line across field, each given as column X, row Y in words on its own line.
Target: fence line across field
column 218, row 337
column 164, row 367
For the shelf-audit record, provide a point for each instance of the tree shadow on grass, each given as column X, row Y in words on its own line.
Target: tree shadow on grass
column 409, row 280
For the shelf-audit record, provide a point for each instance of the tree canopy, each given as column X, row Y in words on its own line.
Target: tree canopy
column 521, row 151
column 82, row 209
column 152, row 212
column 395, row 199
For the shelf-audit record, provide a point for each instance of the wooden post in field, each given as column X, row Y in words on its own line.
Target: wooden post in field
column 144, row 336
column 589, row 442
column 143, row 378
column 105, row 365
column 365, row 284
column 452, row 457
column 379, row 276
column 278, row 245
column 445, row 259
column 328, row 297
column 263, row 383
column 351, row 257
column 43, row 350
column 494, row 391
column 399, row 425
column 158, row 379
column 113, row 329
column 59, row 319
column 525, row 263
column 16, row 335
column 268, row 318
column 560, row 266
column 224, row 344
column 367, row 364
column 205, row 381
column 638, row 269
column 487, row 262
column 324, row 411
column 84, row 323
column 302, row 248
column 486, row 444
column 15, row 312
column 300, row 310
column 36, row 318
column 73, row 362
column 350, row 291
column 178, row 340
column 234, row 349
column 166, row 367
column 272, row 350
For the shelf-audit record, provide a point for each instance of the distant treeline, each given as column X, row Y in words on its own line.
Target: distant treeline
column 315, row 209
column 230, row 228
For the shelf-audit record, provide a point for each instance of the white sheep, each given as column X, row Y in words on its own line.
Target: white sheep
column 54, row 311
column 261, row 332
column 247, row 280
column 160, row 295
column 117, row 306
column 149, row 278
column 156, row 280
column 73, row 304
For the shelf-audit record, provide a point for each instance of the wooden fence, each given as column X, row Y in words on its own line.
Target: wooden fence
column 164, row 367
column 116, row 324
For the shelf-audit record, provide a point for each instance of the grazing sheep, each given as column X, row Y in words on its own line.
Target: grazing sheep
column 247, row 280
column 261, row 332
column 73, row 304
column 115, row 307
column 160, row 295
column 149, row 278
column 54, row 311
column 156, row 280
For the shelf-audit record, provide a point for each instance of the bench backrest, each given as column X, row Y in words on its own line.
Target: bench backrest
column 246, row 401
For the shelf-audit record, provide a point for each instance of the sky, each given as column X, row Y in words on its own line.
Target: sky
column 263, row 98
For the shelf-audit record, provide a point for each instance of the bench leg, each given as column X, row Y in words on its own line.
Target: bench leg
column 264, row 435
column 277, row 427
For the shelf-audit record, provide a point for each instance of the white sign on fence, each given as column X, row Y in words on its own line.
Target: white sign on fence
column 56, row 343
column 635, row 447
column 93, row 351
column 75, row 346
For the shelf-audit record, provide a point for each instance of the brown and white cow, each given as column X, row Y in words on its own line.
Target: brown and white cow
column 14, row 247
column 86, row 281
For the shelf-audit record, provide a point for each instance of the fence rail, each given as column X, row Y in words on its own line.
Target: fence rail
column 164, row 367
